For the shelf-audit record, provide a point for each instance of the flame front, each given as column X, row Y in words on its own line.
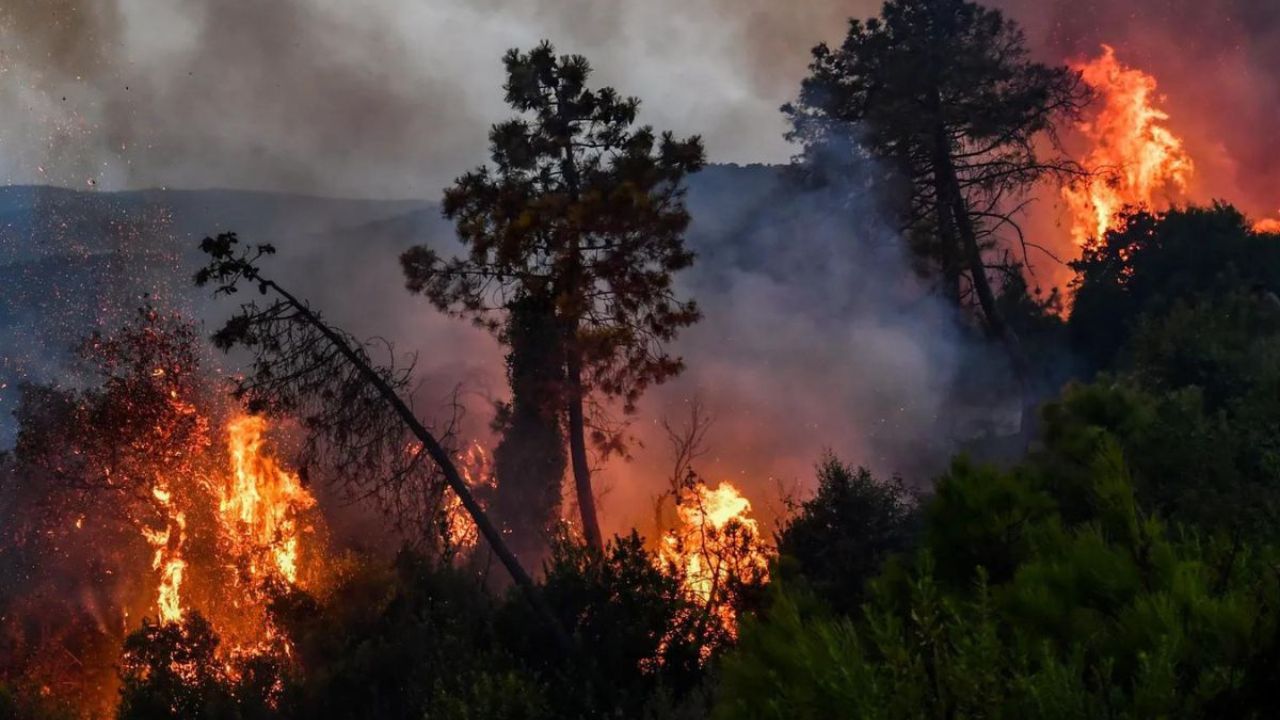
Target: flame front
column 259, row 504
column 1269, row 226
column 1135, row 158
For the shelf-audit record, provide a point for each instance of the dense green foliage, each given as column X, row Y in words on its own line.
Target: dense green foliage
column 1157, row 262
column 1034, row 594
column 837, row 540
column 1124, row 568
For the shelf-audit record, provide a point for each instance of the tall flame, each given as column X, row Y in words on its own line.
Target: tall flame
column 260, row 503
column 1135, row 158
column 476, row 468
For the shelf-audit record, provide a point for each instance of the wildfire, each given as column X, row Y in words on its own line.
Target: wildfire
column 715, row 546
column 260, row 503
column 251, row 541
column 1135, row 158
column 477, row 470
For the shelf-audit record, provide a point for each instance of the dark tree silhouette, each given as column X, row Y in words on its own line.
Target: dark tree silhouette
column 942, row 95
column 530, row 459
column 585, row 208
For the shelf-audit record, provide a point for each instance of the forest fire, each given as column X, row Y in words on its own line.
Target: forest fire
column 423, row 477
column 715, row 547
column 476, row 467
column 1135, row 158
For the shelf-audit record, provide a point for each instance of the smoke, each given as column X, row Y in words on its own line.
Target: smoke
column 817, row 337
column 393, row 98
column 382, row 99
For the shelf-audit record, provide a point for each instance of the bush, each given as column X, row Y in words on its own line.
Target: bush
column 839, row 539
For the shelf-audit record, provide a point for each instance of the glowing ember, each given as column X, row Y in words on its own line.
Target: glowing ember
column 1135, row 158
column 260, row 502
column 715, row 546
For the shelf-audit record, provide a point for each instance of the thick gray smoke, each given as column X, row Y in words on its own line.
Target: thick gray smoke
column 392, row 98
column 387, row 99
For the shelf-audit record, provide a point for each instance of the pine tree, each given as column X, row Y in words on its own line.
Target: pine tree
column 587, row 208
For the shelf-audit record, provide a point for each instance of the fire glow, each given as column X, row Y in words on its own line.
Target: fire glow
column 476, row 468
column 715, row 544
column 262, row 525
column 260, row 503
column 1135, row 159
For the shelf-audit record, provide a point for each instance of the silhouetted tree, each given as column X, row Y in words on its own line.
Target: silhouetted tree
column 941, row 94
column 586, row 208
column 1155, row 260
column 530, row 459
column 172, row 670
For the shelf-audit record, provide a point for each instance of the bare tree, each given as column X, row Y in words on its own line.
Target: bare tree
column 688, row 443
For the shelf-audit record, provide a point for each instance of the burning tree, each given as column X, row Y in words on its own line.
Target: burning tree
column 121, row 505
column 583, row 221
column 712, row 545
column 942, row 95
column 353, row 410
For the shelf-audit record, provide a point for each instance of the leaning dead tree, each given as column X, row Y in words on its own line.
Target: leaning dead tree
column 353, row 409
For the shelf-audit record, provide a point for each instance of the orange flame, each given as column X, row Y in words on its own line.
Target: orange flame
column 715, row 544
column 1135, row 157
column 260, row 503
column 1269, row 226
column 476, row 468
column 168, row 555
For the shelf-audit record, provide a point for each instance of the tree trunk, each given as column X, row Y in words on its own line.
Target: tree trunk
column 531, row 458
column 949, row 247
column 578, row 454
column 995, row 321
column 573, row 356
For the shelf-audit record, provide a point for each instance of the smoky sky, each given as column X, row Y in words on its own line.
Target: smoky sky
column 392, row 98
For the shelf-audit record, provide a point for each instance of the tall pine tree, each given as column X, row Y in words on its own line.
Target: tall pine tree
column 942, row 96
column 586, row 208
